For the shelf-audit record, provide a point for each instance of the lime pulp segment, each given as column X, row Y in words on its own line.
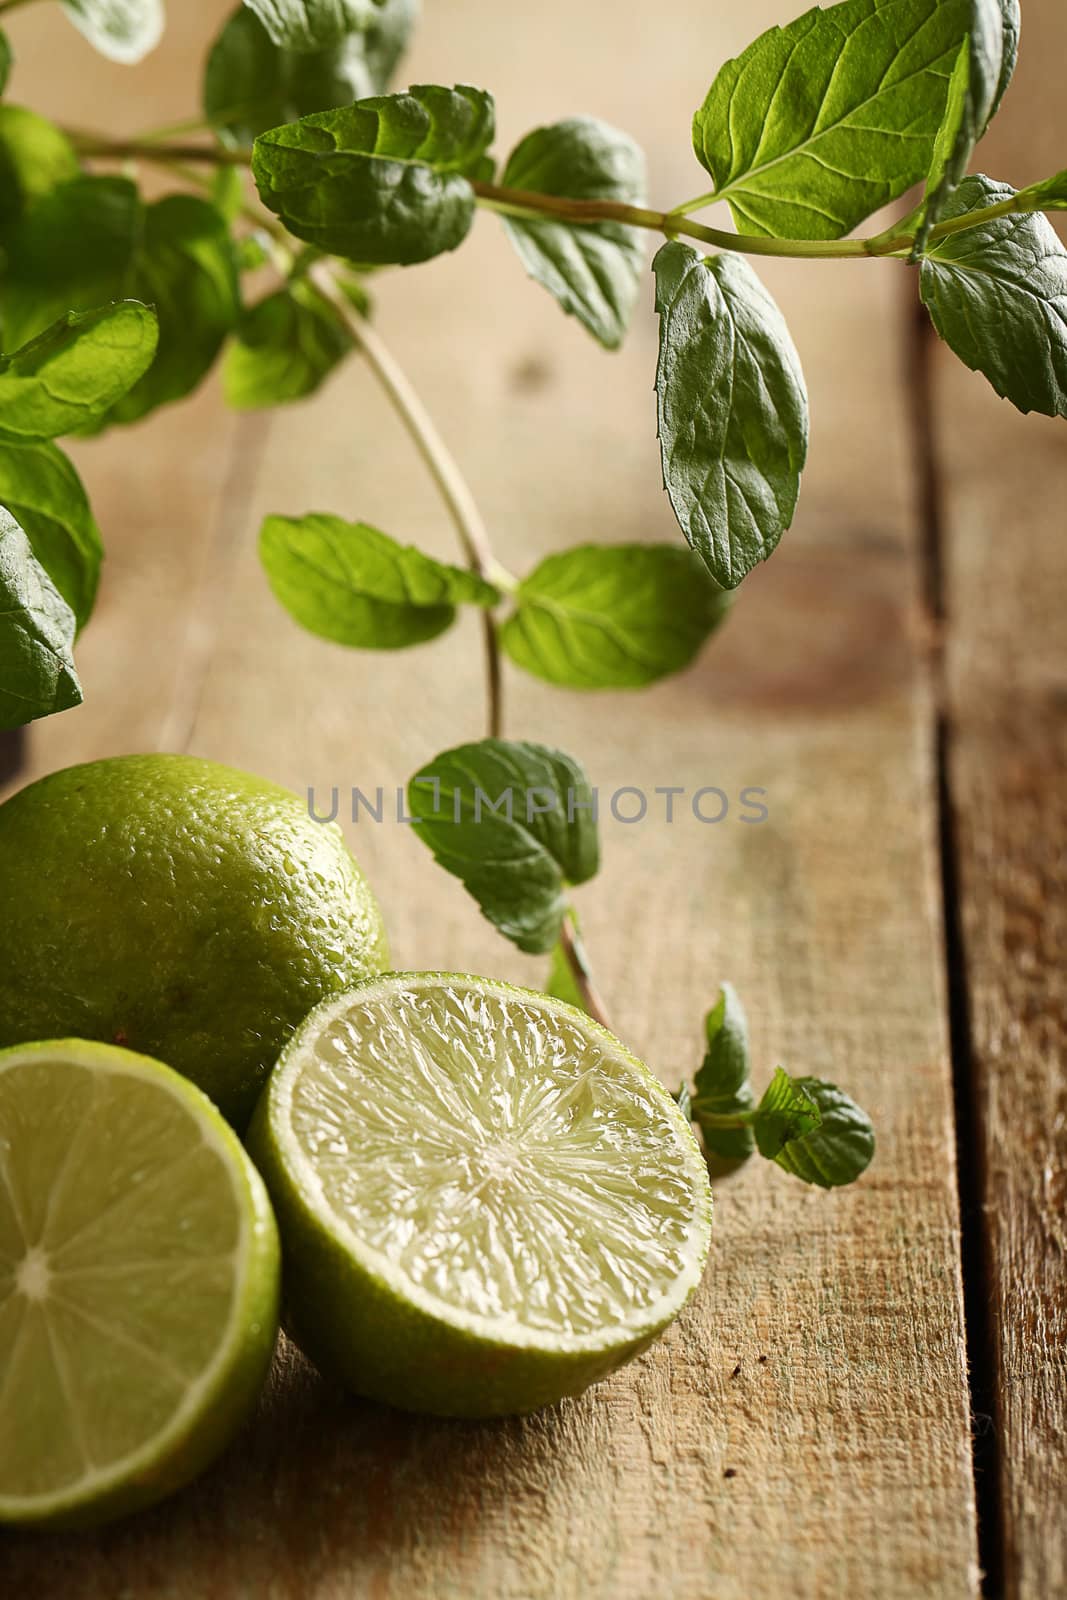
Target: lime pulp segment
column 498, row 1159
column 138, row 1281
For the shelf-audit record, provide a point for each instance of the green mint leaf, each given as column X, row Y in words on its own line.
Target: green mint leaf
column 227, row 195
column 722, row 1086
column 185, row 267
column 251, row 251
column 384, row 38
column 312, row 24
column 71, row 374
column 175, row 255
column 42, row 491
column 37, row 672
column 613, row 616
column 383, row 182
column 733, row 410
column 514, row 822
column 838, row 1148
column 46, row 276
column 972, row 91
column 997, row 295
column 787, row 1112
column 284, row 347
column 593, row 270
column 349, row 583
column 819, row 123
column 123, row 30
column 34, row 158
column 252, row 84
column 1011, row 23
column 6, row 59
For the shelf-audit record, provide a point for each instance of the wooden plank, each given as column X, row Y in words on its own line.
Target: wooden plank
column 1005, row 575
column 804, row 1428
column 1008, row 772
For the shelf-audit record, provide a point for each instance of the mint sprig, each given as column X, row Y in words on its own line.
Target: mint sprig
column 806, row 133
column 722, row 1086
column 808, row 1127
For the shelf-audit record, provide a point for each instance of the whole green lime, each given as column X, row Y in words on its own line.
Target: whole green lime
column 181, row 908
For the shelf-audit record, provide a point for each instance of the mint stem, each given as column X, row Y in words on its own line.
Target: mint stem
column 527, row 203
column 149, row 149
column 451, row 484
column 574, row 950
column 524, row 202
column 720, row 1119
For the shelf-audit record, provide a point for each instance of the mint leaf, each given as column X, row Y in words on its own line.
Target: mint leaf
column 47, row 274
column 284, row 347
column 1011, row 23
column 185, row 267
column 347, row 582
column 733, row 410
column 836, row 1150
column 976, row 82
column 70, row 375
column 514, row 823
column 175, row 255
column 722, row 1087
column 384, row 38
column 123, row 30
column 612, row 616
column 41, row 489
column 593, row 270
column 37, row 672
column 35, row 156
column 997, row 295
column 252, row 84
column 5, row 61
column 786, row 1112
column 227, row 195
column 312, row 24
column 384, row 181
column 819, row 123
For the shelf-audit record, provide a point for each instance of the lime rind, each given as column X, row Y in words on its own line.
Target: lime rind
column 220, row 1395
column 186, row 910
column 415, row 1339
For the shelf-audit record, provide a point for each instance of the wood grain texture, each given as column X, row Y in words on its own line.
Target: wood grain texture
column 804, row 1427
column 1003, row 478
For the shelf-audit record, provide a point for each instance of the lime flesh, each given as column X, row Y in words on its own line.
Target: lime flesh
column 139, row 1271
column 486, row 1202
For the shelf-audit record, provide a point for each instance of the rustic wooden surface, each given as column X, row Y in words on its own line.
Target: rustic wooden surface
column 1008, row 761
column 1001, row 479
column 841, row 1463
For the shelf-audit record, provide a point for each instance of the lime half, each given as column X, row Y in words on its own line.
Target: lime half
column 139, row 1273
column 486, row 1202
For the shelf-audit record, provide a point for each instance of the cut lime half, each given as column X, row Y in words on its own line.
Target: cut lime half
column 486, row 1202
column 139, row 1271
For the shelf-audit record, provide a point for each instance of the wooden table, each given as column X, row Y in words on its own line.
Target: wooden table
column 894, row 679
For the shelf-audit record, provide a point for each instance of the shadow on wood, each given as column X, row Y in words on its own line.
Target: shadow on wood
column 12, row 754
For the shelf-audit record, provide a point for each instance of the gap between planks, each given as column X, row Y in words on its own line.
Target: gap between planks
column 978, row 1288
